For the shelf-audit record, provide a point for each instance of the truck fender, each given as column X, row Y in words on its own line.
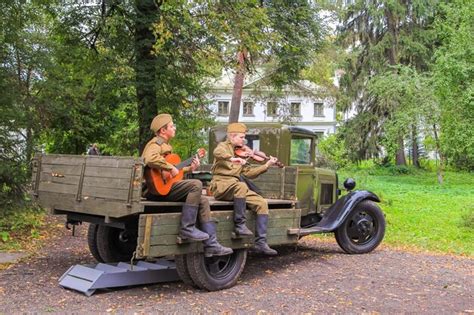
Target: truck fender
column 338, row 212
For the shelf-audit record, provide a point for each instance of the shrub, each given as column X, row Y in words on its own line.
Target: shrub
column 332, row 152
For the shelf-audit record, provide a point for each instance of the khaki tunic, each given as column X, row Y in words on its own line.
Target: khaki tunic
column 226, row 184
column 188, row 190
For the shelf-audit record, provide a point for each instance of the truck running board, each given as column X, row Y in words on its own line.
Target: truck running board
column 88, row 278
column 307, row 231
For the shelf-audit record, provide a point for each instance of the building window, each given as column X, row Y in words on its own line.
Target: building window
column 319, row 109
column 248, row 109
column 295, row 109
column 272, row 108
column 223, row 108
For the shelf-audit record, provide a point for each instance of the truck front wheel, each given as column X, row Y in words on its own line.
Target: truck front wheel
column 363, row 229
column 218, row 272
column 114, row 244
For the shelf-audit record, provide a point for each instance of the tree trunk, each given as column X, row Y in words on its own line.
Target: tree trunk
column 400, row 157
column 416, row 161
column 392, row 26
column 392, row 56
column 238, row 85
column 147, row 13
column 442, row 163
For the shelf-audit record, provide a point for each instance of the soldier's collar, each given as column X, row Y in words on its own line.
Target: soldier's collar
column 160, row 140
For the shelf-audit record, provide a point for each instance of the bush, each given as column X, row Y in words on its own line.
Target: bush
column 332, row 152
column 19, row 224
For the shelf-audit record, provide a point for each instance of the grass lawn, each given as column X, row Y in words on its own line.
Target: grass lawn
column 421, row 213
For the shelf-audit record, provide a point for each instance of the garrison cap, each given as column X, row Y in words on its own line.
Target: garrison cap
column 160, row 121
column 237, row 128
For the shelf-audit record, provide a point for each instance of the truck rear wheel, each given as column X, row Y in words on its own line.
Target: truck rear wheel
column 363, row 230
column 218, row 272
column 92, row 241
column 114, row 244
column 182, row 269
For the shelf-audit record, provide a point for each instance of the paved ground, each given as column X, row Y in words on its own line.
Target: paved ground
column 7, row 257
column 315, row 277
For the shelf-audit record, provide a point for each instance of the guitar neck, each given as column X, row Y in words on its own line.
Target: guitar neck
column 185, row 163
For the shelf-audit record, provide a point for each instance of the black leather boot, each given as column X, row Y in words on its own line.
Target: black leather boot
column 261, row 246
column 188, row 230
column 239, row 218
column 211, row 246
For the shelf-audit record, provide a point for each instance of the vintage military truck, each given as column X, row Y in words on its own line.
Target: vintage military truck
column 303, row 199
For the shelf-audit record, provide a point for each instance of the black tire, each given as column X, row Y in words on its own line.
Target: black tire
column 363, row 230
column 114, row 244
column 182, row 269
column 92, row 241
column 218, row 272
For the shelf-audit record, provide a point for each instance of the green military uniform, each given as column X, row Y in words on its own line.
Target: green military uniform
column 188, row 190
column 226, row 184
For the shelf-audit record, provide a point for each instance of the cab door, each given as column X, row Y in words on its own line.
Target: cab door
column 302, row 156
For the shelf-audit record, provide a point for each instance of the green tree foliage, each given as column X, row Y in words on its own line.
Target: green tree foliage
column 24, row 60
column 380, row 35
column 453, row 74
column 282, row 35
column 332, row 152
column 408, row 99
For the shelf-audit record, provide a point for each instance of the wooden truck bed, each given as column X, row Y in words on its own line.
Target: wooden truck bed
column 111, row 186
column 86, row 187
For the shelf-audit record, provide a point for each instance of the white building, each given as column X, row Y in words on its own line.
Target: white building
column 300, row 105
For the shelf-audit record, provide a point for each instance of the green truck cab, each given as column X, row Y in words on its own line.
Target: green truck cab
column 303, row 199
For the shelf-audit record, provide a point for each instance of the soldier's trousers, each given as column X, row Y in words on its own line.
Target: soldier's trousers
column 189, row 191
column 238, row 189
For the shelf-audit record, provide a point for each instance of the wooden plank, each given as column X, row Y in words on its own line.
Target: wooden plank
column 228, row 226
column 87, row 192
column 63, row 159
column 106, row 193
column 68, row 180
column 58, row 188
column 109, row 161
column 174, row 218
column 93, row 171
column 115, row 183
column 147, row 236
column 170, row 239
column 88, row 205
column 168, row 250
column 159, row 251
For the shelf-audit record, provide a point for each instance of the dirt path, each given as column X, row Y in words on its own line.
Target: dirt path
column 316, row 278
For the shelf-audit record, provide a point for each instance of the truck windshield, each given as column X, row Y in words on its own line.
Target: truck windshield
column 300, row 150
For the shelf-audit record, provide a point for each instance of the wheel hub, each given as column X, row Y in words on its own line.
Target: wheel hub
column 364, row 227
column 124, row 236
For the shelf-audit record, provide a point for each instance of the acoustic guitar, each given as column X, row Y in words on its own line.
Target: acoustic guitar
column 162, row 179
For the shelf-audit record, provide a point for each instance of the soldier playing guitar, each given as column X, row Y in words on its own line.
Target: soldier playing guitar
column 188, row 190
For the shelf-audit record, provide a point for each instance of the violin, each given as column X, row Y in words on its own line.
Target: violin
column 259, row 156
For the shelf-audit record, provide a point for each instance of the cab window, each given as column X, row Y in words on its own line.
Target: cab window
column 300, row 150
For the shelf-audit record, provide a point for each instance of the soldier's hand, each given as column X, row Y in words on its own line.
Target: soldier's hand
column 174, row 171
column 272, row 161
column 195, row 164
column 237, row 160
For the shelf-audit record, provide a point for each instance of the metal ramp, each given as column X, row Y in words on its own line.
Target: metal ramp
column 88, row 278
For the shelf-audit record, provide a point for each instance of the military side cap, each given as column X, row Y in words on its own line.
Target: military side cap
column 237, row 127
column 160, row 121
